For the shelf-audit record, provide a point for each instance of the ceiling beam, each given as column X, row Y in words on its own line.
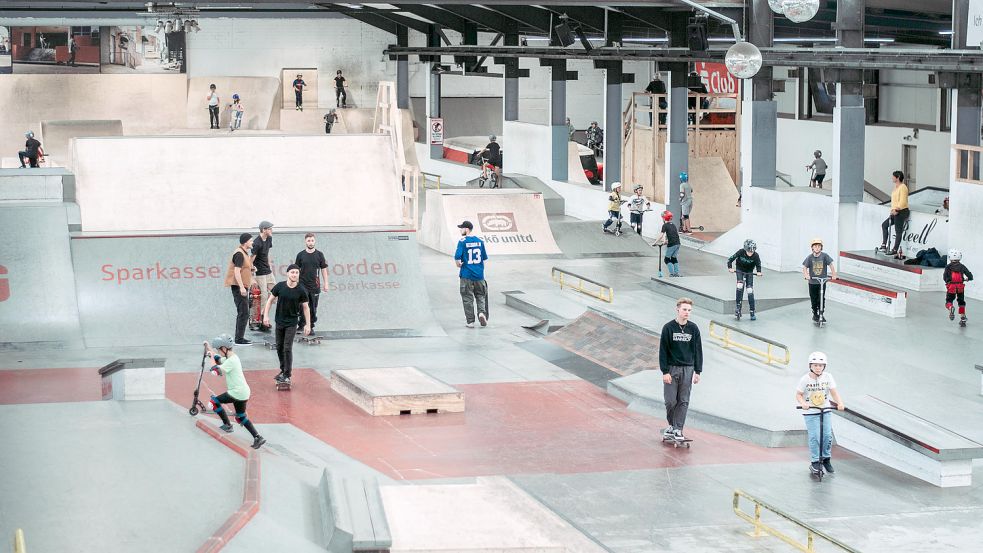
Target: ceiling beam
column 436, row 15
column 536, row 18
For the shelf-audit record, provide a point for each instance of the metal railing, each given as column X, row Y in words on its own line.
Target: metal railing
column 557, row 275
column 762, row 529
column 19, row 544
column 430, row 180
column 968, row 163
column 767, row 353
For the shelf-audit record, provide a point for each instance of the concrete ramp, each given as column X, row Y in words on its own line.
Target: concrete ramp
column 168, row 290
column 554, row 202
column 57, row 136
column 510, row 221
column 361, row 121
column 231, row 181
column 259, row 95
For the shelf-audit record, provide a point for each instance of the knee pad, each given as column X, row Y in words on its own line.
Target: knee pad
column 750, row 290
column 668, row 260
column 740, row 285
column 215, row 405
column 241, row 418
column 674, row 260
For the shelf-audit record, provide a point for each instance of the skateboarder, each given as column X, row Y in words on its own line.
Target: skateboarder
column 748, row 265
column 681, row 362
column 955, row 276
column 685, row 202
column 898, row 217
column 817, row 268
column 213, row 103
column 263, row 264
column 813, row 391
column 670, row 237
column 470, row 257
column 236, row 109
column 311, row 261
column 330, row 118
column 818, row 167
column 299, row 85
column 239, row 277
column 614, row 208
column 637, row 206
column 237, row 390
column 341, row 97
column 31, row 150
column 291, row 304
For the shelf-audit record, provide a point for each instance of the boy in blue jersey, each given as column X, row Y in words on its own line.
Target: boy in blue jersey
column 470, row 257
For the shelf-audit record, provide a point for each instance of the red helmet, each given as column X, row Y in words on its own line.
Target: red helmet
column 667, row 215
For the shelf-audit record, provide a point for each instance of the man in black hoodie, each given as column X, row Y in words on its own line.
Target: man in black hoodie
column 748, row 265
column 681, row 362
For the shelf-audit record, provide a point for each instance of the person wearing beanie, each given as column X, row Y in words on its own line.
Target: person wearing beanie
column 291, row 302
column 239, row 277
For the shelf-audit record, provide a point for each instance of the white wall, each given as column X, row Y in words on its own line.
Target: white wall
column 965, row 206
column 798, row 139
column 264, row 47
column 906, row 97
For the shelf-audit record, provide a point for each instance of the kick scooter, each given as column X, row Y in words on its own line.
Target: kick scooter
column 820, row 411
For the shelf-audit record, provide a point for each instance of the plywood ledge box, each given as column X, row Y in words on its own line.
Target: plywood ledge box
column 396, row 391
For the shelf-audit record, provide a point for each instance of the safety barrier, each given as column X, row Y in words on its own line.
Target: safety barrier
column 557, row 275
column 762, row 529
column 19, row 545
column 430, row 180
column 767, row 354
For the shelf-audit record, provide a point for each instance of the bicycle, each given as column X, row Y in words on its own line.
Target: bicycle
column 488, row 175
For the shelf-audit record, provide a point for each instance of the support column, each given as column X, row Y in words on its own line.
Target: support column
column 510, row 102
column 849, row 125
column 676, row 154
column 433, row 90
column 613, row 121
column 560, row 136
column 402, row 70
column 760, row 144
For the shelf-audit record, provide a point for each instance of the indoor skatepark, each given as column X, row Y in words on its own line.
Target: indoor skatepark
column 405, row 430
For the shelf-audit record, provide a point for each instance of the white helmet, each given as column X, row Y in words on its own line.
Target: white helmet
column 615, row 185
column 817, row 357
column 955, row 255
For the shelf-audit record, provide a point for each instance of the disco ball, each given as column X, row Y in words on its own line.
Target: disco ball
column 743, row 60
column 776, row 6
column 800, row 11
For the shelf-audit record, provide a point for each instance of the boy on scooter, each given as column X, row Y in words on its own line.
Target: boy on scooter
column 813, row 392
column 815, row 268
column 748, row 265
column 237, row 391
column 614, row 208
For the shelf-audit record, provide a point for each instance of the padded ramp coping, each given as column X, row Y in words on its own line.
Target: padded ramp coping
column 910, row 430
column 353, row 515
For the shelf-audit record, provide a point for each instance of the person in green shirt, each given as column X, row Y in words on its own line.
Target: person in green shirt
column 237, row 391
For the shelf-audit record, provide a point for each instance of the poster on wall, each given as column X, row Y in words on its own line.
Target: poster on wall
column 141, row 49
column 54, row 49
column 5, row 66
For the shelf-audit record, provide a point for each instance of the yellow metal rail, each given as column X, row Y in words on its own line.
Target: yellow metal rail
column 558, row 275
column 762, row 529
column 19, row 546
column 430, row 180
column 770, row 345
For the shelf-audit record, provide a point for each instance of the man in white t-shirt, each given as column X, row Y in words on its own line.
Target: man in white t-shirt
column 213, row 102
column 813, row 393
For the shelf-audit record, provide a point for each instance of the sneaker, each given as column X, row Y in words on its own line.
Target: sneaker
column 286, row 380
column 815, row 317
column 753, row 317
column 952, row 313
column 667, row 432
column 227, row 428
column 482, row 319
column 244, row 342
column 822, row 318
column 677, row 434
column 279, row 377
column 828, row 465
column 814, row 467
column 469, row 325
column 258, row 442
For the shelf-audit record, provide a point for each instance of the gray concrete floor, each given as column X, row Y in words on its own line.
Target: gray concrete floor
column 923, row 363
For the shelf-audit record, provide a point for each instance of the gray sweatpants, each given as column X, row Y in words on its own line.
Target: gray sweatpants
column 472, row 290
column 676, row 395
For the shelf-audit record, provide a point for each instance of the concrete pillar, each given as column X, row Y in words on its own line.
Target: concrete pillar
column 677, row 149
column 761, row 143
column 558, row 124
column 510, row 103
column 849, row 125
column 613, row 124
column 433, row 109
column 402, row 71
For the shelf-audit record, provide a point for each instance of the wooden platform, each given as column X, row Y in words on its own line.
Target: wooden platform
column 396, row 391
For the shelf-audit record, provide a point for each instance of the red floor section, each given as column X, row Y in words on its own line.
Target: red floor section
column 514, row 428
column 49, row 385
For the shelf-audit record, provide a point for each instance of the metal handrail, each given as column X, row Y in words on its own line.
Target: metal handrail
column 761, row 529
column 557, row 273
column 767, row 354
column 430, row 177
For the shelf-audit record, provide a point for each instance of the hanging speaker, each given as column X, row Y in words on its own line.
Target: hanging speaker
column 696, row 35
column 564, row 34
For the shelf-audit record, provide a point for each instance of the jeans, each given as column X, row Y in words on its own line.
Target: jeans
column 812, row 428
column 341, row 97
column 670, row 258
column 33, row 160
column 213, row 117
column 676, row 395
column 898, row 220
column 299, row 98
column 471, row 291
column 236, row 121
column 285, row 348
column 242, row 312
column 612, row 217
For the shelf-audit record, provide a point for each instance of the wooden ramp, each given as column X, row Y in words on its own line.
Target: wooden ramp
column 396, row 391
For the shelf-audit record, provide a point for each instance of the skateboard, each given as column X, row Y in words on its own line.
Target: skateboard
column 677, row 443
column 282, row 387
column 312, row 340
column 269, row 345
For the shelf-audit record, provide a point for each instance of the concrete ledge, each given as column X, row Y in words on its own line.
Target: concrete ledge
column 353, row 515
column 889, row 271
column 36, row 184
column 980, row 368
column 133, row 379
column 883, row 301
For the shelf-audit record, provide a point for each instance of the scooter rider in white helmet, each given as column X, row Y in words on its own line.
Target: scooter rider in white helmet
column 813, row 392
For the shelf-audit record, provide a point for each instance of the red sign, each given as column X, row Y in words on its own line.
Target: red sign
column 716, row 77
column 4, row 286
